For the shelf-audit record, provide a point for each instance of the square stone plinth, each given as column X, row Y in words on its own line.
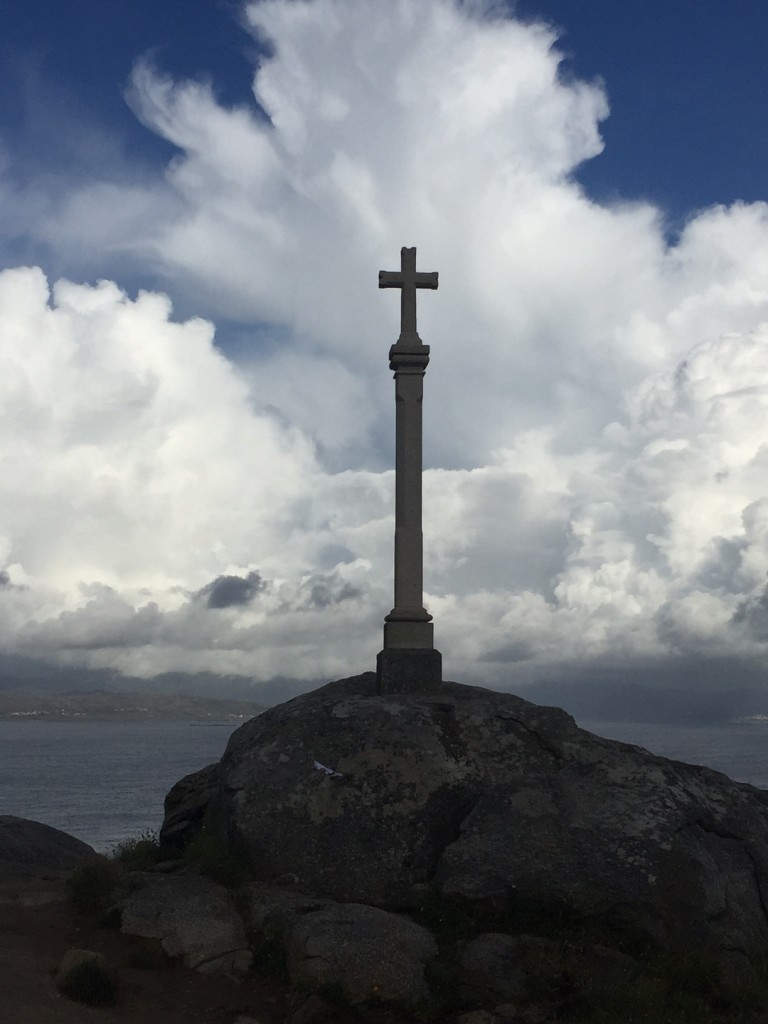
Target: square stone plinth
column 409, row 670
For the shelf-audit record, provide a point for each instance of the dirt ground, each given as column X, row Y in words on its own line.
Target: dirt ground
column 37, row 927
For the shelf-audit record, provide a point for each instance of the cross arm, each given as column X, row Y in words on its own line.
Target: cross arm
column 394, row 279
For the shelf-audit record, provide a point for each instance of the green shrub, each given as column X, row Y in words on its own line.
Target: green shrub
column 209, row 852
column 269, row 954
column 92, row 886
column 90, row 983
column 672, row 987
column 140, row 853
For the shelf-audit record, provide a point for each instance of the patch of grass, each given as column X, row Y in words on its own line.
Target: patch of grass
column 140, row 853
column 92, row 886
column 210, row 853
column 575, row 986
column 669, row 988
column 90, row 983
column 581, row 986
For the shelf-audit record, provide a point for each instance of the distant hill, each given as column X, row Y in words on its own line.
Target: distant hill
column 106, row 706
column 18, row 674
column 621, row 701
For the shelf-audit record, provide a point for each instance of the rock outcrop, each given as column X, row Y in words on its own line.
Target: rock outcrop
column 492, row 803
column 186, row 804
column 194, row 919
column 364, row 952
column 30, row 848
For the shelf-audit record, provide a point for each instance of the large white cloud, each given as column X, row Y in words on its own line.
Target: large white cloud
column 595, row 408
column 134, row 471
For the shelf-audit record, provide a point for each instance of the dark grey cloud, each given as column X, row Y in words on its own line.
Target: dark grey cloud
column 722, row 568
column 333, row 554
column 323, row 595
column 753, row 615
column 231, row 591
column 5, row 582
column 322, row 591
column 517, row 650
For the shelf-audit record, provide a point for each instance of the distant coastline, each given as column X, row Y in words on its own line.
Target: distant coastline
column 108, row 706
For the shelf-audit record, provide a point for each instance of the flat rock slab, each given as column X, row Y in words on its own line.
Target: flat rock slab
column 366, row 952
column 194, row 919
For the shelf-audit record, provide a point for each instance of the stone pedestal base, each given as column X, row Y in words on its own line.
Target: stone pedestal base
column 409, row 633
column 409, row 670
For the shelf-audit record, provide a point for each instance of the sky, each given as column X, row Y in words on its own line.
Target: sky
column 196, row 411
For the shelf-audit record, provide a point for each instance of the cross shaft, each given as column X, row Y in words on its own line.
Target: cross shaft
column 408, row 661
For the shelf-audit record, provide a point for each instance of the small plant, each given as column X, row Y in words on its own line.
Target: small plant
column 92, row 886
column 90, row 983
column 673, row 988
column 140, row 853
column 209, row 852
column 270, row 955
column 447, row 918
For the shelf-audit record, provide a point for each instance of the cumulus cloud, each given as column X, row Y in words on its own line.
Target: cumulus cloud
column 596, row 421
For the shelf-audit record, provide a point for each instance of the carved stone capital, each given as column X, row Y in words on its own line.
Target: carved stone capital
column 409, row 359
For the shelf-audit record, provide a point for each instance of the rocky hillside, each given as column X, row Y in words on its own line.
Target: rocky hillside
column 498, row 826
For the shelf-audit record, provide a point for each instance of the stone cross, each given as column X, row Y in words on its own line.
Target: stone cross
column 409, row 661
column 407, row 280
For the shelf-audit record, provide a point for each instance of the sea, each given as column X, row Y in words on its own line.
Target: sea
column 105, row 782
